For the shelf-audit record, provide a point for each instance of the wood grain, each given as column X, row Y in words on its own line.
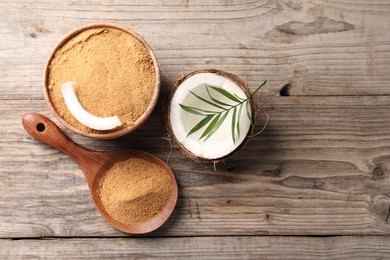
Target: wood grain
column 319, row 47
column 321, row 167
column 201, row 248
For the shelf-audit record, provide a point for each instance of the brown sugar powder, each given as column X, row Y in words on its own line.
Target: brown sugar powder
column 135, row 191
column 113, row 71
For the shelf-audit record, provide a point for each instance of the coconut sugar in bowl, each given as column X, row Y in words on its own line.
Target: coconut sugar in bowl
column 102, row 81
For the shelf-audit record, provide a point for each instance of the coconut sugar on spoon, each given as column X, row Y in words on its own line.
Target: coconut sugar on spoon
column 135, row 191
column 114, row 73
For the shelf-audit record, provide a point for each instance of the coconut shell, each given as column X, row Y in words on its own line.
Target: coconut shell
column 167, row 109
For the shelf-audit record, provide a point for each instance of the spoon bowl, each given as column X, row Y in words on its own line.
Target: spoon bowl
column 95, row 165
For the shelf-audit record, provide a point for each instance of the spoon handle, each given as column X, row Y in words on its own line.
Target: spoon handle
column 43, row 129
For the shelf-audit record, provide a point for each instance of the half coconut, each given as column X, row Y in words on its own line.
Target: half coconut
column 210, row 114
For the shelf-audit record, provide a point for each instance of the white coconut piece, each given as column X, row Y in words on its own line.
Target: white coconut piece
column 220, row 143
column 83, row 116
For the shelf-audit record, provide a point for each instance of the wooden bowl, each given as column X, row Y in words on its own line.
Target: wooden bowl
column 112, row 133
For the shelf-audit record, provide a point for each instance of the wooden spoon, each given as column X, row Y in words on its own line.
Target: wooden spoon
column 95, row 164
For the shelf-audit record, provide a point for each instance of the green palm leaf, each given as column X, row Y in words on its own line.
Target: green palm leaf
column 206, row 101
column 225, row 93
column 216, row 100
column 238, row 97
column 196, row 111
column 234, row 124
column 217, row 125
column 210, row 126
column 248, row 113
column 238, row 121
column 214, row 119
column 201, row 124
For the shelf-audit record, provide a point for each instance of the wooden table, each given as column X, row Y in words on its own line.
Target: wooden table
column 315, row 184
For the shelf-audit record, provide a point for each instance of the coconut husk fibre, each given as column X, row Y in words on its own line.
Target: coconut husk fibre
column 135, row 191
column 113, row 71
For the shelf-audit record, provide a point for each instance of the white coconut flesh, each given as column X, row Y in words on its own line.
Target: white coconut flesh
column 83, row 116
column 220, row 143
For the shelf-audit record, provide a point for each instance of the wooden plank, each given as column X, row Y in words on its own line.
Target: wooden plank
column 319, row 47
column 321, row 167
column 376, row 247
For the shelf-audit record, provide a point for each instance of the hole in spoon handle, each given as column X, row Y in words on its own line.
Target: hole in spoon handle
column 43, row 129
